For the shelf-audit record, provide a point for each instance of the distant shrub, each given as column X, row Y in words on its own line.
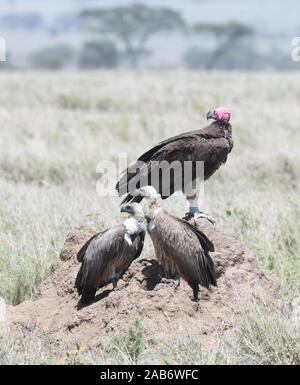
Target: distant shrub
column 98, row 54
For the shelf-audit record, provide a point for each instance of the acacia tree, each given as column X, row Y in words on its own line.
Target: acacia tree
column 226, row 35
column 133, row 25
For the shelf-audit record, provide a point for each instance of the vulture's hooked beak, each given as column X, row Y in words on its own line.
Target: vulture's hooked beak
column 127, row 209
column 211, row 115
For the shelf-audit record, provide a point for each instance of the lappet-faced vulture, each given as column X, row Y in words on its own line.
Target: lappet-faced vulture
column 107, row 255
column 180, row 247
column 210, row 145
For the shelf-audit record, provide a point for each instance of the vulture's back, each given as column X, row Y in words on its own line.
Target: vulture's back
column 183, row 249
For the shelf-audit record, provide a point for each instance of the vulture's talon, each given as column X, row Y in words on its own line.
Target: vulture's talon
column 175, row 281
column 117, row 288
column 188, row 216
column 200, row 214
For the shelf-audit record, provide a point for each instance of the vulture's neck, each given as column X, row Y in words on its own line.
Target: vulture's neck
column 218, row 130
column 134, row 226
column 152, row 210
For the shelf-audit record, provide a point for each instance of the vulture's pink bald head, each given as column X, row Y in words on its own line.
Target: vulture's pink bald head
column 220, row 114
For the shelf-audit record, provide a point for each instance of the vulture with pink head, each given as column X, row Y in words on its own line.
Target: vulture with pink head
column 210, row 145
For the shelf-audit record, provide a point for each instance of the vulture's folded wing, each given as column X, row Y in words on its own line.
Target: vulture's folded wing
column 191, row 146
column 82, row 251
column 99, row 252
column 204, row 241
column 195, row 263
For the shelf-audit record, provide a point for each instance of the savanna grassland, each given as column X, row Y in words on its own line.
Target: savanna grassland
column 56, row 128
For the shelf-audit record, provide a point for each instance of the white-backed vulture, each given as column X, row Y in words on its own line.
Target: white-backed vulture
column 108, row 254
column 181, row 248
column 211, row 145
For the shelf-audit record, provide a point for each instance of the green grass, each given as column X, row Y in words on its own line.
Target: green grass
column 268, row 338
column 56, row 127
column 261, row 337
column 130, row 342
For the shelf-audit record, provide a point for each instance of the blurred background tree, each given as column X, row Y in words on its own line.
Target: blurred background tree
column 236, row 57
column 52, row 58
column 132, row 25
column 229, row 43
column 98, row 54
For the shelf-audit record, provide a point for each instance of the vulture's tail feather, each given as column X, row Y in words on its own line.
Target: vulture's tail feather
column 83, row 288
column 204, row 241
column 88, row 295
column 210, row 270
column 79, row 280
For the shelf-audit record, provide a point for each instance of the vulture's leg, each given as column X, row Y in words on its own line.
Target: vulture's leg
column 195, row 288
column 196, row 213
column 115, row 283
column 192, row 195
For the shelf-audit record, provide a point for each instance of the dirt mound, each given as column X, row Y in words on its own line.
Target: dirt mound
column 167, row 312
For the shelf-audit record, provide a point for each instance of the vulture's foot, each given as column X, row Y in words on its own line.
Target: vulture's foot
column 116, row 287
column 188, row 216
column 175, row 281
column 195, row 214
column 200, row 214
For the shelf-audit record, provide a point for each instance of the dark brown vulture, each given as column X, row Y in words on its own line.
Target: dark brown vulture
column 211, row 145
column 107, row 255
column 180, row 248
